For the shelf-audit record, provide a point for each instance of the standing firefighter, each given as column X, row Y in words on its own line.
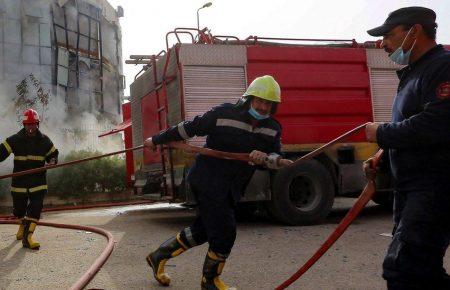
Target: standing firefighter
column 31, row 149
column 247, row 127
column 418, row 139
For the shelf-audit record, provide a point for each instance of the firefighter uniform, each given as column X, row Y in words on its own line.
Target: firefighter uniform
column 216, row 183
column 28, row 191
column 418, row 140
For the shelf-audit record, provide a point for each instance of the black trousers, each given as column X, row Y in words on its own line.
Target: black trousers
column 421, row 236
column 28, row 204
column 215, row 222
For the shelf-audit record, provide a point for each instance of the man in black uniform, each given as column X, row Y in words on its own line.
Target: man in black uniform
column 418, row 139
column 247, row 127
column 31, row 149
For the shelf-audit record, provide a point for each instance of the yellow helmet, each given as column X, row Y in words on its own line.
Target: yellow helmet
column 265, row 87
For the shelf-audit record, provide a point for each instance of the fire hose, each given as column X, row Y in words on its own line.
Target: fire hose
column 363, row 199
column 101, row 260
column 188, row 148
column 96, row 266
column 351, row 215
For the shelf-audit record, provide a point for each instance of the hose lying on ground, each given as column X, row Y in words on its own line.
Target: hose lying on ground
column 363, row 199
column 95, row 267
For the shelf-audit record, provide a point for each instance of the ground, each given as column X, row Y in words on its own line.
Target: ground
column 265, row 253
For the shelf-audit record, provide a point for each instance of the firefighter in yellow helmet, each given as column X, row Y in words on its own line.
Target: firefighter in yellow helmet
column 218, row 184
column 31, row 149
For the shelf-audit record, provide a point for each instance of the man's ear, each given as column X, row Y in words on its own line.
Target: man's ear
column 416, row 30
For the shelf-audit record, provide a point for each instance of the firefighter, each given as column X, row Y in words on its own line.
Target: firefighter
column 246, row 127
column 418, row 144
column 31, row 149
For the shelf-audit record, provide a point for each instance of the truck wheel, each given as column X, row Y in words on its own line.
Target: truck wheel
column 302, row 194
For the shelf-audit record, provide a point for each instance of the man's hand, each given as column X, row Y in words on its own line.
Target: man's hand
column 149, row 143
column 52, row 161
column 257, row 157
column 371, row 131
column 284, row 162
column 369, row 172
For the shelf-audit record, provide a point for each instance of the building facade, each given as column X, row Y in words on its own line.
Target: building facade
column 73, row 47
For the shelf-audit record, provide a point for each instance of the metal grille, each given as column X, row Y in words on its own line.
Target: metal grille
column 209, row 86
column 384, row 84
column 378, row 58
column 216, row 55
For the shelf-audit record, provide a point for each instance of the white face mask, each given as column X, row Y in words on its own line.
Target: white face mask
column 401, row 57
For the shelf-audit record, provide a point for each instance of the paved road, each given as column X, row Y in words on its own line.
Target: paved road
column 265, row 253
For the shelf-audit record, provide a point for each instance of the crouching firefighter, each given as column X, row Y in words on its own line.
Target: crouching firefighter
column 31, row 149
column 217, row 184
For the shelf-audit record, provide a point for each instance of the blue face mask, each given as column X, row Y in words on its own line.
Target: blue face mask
column 401, row 57
column 257, row 115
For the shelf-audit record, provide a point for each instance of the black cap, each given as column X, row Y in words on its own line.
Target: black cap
column 407, row 15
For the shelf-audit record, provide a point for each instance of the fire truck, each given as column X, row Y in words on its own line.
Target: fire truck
column 328, row 86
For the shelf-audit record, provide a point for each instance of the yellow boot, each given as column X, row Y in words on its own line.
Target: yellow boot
column 157, row 259
column 212, row 268
column 27, row 241
column 19, row 234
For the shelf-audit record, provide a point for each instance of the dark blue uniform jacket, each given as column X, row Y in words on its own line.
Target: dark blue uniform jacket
column 418, row 138
column 228, row 128
column 29, row 153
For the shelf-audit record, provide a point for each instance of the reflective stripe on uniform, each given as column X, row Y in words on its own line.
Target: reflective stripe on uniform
column 266, row 131
column 50, row 151
column 182, row 131
column 32, row 189
column 234, row 124
column 29, row 157
column 18, row 189
column 244, row 126
column 8, row 148
column 38, row 188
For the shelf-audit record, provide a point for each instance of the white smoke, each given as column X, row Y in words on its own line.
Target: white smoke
column 70, row 125
column 68, row 131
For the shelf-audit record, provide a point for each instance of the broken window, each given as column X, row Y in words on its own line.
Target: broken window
column 78, row 34
column 63, row 67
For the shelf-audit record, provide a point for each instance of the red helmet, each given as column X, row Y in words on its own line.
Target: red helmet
column 30, row 116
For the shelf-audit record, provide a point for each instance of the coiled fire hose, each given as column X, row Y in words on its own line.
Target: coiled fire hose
column 351, row 215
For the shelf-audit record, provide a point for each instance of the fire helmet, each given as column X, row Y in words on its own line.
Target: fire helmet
column 265, row 87
column 30, row 116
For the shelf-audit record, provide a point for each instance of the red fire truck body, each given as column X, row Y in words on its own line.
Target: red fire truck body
column 327, row 88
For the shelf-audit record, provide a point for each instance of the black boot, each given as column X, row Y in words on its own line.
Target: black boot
column 29, row 227
column 157, row 259
column 212, row 268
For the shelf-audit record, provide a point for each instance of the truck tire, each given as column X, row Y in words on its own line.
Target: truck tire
column 302, row 194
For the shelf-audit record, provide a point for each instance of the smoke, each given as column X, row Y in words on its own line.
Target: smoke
column 68, row 131
column 70, row 118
